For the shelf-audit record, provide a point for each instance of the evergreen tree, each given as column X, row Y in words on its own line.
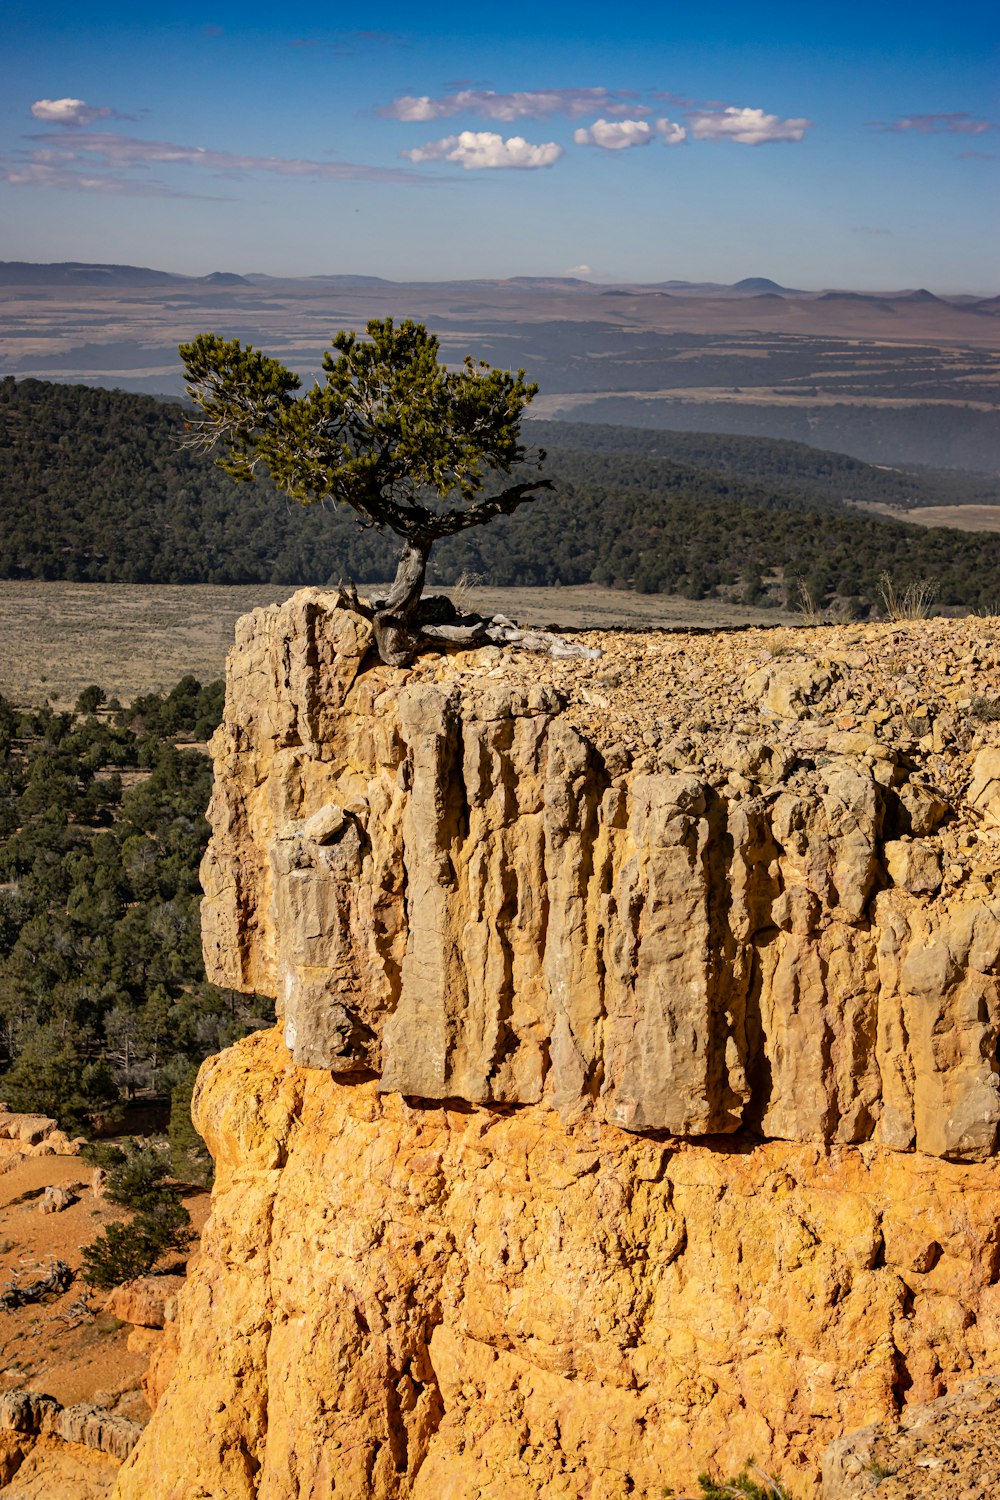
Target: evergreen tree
column 391, row 434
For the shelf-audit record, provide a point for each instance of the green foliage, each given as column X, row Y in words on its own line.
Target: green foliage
column 103, row 1154
column 97, row 485
column 744, row 1486
column 123, row 1251
column 188, row 708
column 138, row 1180
column 102, row 985
column 779, row 464
column 138, row 1175
column 191, row 1160
column 52, row 1075
column 389, row 423
column 90, row 700
column 120, row 1253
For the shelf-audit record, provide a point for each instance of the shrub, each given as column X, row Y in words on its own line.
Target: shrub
column 744, row 1486
column 89, row 700
column 120, row 1253
column 138, row 1179
column 914, row 603
column 189, row 1154
column 137, row 1174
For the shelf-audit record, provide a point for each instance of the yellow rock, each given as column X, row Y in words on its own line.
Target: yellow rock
column 395, row 1301
column 635, row 1103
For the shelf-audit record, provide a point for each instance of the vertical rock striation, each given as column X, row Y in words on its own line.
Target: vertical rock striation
column 635, row 1100
column 445, row 882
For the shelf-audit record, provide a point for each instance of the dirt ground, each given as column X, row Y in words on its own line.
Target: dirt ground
column 66, row 1346
column 58, row 638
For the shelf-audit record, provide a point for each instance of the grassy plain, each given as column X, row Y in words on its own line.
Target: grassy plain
column 57, row 638
column 958, row 517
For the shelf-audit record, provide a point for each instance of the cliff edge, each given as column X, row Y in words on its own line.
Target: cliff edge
column 635, row 1103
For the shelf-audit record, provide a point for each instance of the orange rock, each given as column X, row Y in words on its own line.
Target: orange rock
column 635, row 1105
column 162, row 1363
column 470, row 1302
column 147, row 1301
column 144, row 1340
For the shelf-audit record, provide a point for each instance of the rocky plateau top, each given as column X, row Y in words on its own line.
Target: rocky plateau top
column 702, row 883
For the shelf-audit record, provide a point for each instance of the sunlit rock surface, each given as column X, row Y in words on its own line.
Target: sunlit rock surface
column 634, row 1105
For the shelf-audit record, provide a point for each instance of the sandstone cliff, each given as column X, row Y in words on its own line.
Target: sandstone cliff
column 637, row 1103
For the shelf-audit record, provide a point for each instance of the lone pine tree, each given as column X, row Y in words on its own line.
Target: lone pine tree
column 393, row 433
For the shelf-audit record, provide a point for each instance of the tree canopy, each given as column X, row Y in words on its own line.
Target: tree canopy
column 96, row 486
column 393, row 433
column 103, row 994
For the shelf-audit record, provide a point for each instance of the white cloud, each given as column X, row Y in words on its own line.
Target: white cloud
column 750, row 127
column 614, row 135
column 483, row 148
column 673, row 135
column 74, row 112
column 581, row 270
column 524, row 105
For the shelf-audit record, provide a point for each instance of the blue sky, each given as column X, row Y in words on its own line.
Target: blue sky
column 841, row 146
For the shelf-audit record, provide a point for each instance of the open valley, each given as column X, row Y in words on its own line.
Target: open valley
column 58, row 638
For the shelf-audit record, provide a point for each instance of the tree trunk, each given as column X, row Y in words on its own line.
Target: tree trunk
column 396, row 632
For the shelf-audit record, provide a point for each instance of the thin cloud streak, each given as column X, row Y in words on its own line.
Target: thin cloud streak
column 531, row 104
column 123, row 152
column 958, row 122
column 64, row 179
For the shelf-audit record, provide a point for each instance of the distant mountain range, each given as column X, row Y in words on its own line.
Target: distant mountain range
column 904, row 376
column 84, row 273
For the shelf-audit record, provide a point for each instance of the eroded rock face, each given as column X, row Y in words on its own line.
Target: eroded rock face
column 471, row 1301
column 634, row 1106
column 444, row 881
column 148, row 1302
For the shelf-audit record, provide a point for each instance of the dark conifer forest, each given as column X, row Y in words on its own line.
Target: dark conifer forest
column 97, row 486
column 103, row 994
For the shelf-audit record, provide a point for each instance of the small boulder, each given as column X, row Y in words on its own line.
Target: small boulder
column 922, row 810
column 30, row 1130
column 914, row 867
column 790, row 689
column 144, row 1301
column 55, row 1199
column 984, row 790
